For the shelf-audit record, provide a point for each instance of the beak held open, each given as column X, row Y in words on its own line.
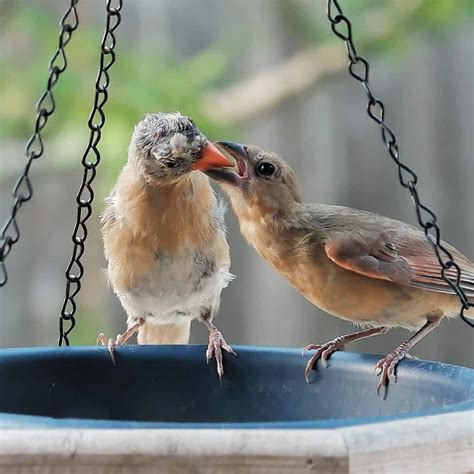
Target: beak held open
column 235, row 175
column 235, row 149
column 211, row 157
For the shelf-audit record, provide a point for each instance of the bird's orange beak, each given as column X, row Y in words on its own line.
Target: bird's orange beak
column 236, row 175
column 211, row 157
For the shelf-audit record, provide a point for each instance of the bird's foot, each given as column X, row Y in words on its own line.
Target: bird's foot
column 111, row 343
column 216, row 344
column 121, row 339
column 323, row 352
column 386, row 367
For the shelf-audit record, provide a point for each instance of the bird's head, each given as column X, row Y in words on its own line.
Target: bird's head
column 167, row 146
column 260, row 181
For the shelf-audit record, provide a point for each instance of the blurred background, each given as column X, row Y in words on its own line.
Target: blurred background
column 258, row 71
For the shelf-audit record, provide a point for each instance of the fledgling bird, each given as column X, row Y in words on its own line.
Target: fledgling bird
column 164, row 236
column 356, row 265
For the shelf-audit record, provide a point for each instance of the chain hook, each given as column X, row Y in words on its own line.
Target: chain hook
column 45, row 107
column 342, row 27
column 90, row 161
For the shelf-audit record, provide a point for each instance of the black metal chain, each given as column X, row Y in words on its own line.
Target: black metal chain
column 359, row 69
column 85, row 195
column 23, row 191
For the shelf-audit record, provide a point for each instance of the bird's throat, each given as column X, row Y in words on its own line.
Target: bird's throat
column 174, row 216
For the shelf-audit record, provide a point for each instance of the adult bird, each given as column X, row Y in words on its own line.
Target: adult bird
column 164, row 236
column 359, row 266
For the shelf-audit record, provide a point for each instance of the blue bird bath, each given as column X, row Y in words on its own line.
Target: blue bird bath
column 173, row 387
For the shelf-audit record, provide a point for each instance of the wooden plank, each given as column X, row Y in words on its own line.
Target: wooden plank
column 170, row 451
column 441, row 444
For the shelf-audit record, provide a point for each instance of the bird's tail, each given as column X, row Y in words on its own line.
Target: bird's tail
column 177, row 333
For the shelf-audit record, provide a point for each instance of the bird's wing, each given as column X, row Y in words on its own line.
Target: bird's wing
column 402, row 256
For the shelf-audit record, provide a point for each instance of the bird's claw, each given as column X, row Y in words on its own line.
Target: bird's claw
column 309, row 347
column 386, row 368
column 215, row 346
column 323, row 352
column 110, row 343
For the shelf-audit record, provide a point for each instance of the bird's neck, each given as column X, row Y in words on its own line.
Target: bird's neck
column 176, row 216
column 287, row 243
column 266, row 228
column 267, row 212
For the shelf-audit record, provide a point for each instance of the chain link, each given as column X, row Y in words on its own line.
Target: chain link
column 90, row 161
column 23, row 191
column 359, row 69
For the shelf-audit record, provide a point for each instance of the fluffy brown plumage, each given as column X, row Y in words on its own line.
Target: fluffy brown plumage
column 356, row 265
column 164, row 235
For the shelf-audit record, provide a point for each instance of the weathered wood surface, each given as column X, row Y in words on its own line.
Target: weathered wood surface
column 436, row 444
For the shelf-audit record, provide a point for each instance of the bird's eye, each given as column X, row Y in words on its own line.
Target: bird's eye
column 170, row 163
column 265, row 169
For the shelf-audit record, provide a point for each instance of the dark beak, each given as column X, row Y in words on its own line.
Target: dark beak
column 235, row 149
column 234, row 175
column 211, row 157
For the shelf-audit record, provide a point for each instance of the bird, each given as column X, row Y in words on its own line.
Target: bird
column 164, row 236
column 374, row 271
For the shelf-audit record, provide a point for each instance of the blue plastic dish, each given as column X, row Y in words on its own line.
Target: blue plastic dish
column 173, row 387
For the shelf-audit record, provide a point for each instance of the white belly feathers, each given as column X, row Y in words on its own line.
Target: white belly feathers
column 178, row 287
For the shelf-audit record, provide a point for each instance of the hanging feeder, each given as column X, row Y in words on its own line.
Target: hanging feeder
column 168, row 387
column 428, row 411
column 264, row 418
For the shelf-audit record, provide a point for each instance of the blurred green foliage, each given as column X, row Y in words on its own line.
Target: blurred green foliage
column 151, row 80
column 140, row 82
column 415, row 17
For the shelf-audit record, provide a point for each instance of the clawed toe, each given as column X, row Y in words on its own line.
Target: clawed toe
column 120, row 340
column 310, row 347
column 309, row 366
column 215, row 346
column 326, row 354
column 386, row 368
column 110, row 343
column 323, row 352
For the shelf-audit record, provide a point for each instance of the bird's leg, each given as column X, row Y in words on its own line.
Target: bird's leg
column 216, row 344
column 323, row 351
column 386, row 366
column 120, row 340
